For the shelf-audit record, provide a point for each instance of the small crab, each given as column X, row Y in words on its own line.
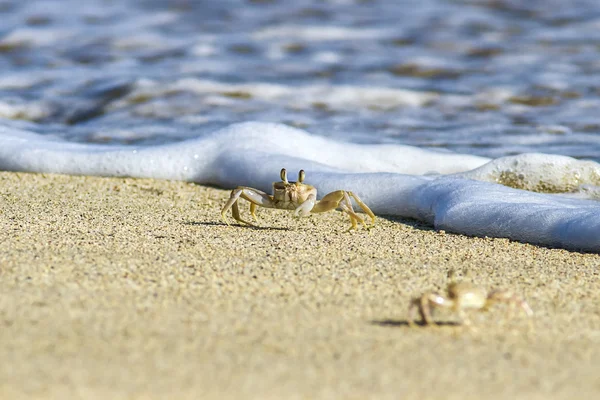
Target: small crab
column 461, row 297
column 296, row 196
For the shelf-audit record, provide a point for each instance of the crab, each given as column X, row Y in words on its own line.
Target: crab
column 463, row 296
column 296, row 196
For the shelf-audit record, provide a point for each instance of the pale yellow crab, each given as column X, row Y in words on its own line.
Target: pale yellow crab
column 296, row 196
column 460, row 297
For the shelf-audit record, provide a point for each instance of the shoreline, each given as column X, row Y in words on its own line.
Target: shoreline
column 135, row 288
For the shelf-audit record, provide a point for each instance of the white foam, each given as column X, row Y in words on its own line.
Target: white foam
column 335, row 97
column 14, row 108
column 36, row 37
column 538, row 172
column 319, row 33
column 388, row 177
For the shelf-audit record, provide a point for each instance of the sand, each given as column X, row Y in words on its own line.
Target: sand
column 135, row 289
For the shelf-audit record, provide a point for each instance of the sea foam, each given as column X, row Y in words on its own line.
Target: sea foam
column 455, row 192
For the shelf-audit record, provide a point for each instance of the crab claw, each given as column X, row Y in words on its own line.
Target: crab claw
column 303, row 209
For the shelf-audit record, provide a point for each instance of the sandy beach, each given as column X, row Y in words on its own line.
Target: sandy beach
column 135, row 289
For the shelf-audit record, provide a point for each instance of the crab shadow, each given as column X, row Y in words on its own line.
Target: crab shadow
column 394, row 323
column 212, row 223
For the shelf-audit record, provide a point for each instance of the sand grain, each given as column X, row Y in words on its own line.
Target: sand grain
column 130, row 288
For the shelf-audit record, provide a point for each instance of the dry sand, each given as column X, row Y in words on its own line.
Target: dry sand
column 135, row 289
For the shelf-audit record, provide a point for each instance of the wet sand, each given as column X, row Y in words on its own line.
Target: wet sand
column 135, row 289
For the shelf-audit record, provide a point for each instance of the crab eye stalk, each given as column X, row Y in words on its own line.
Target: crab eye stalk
column 283, row 175
column 301, row 176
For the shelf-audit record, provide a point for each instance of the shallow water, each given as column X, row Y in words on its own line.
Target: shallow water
column 155, row 89
column 490, row 78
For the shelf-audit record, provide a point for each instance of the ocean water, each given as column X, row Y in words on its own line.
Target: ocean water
column 479, row 117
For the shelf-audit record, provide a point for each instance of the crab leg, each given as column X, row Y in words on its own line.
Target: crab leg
column 412, row 307
column 305, row 208
column 364, row 207
column 337, row 199
column 341, row 199
column 235, row 211
column 435, row 299
column 513, row 300
column 426, row 302
column 254, row 196
column 353, row 216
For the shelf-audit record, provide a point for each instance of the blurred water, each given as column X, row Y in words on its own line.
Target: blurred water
column 484, row 77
